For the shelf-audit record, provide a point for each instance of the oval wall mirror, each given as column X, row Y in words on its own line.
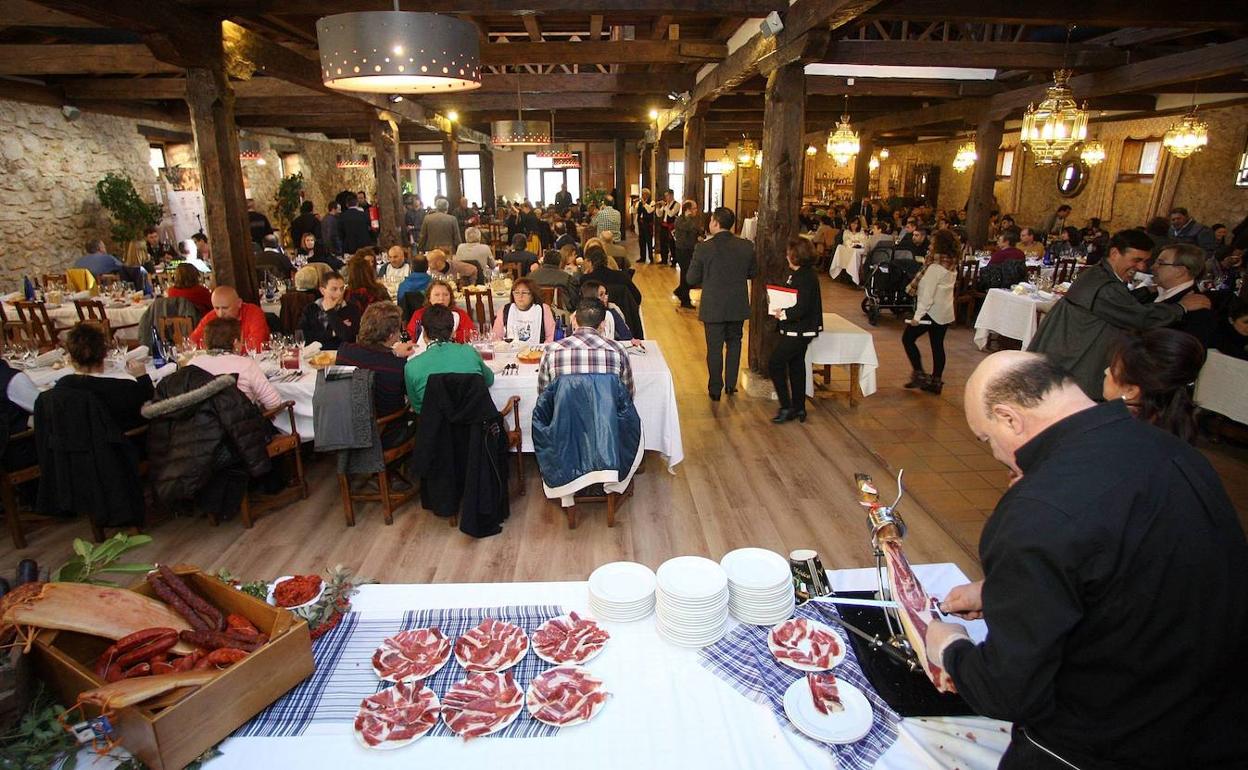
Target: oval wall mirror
column 1072, row 176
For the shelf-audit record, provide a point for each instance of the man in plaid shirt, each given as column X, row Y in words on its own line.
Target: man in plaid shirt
column 586, row 351
column 608, row 218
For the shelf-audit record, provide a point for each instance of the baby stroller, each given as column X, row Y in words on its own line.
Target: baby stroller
column 889, row 272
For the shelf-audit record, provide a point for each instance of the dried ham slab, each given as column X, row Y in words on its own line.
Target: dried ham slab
column 805, row 645
column 569, row 639
column 412, row 655
column 492, row 645
column 916, row 610
column 396, row 716
column 482, row 704
column 823, row 692
column 565, row 695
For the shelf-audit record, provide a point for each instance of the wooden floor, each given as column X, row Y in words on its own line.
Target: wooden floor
column 744, row 482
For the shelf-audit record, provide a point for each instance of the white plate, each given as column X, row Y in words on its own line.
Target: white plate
column 572, row 663
column 836, row 659
column 497, row 727
column 691, row 577
column 392, row 745
column 622, row 582
column 676, row 600
column 530, row 697
column 431, row 672
column 506, row 664
column 704, row 640
column 846, row 726
column 283, row 579
column 756, row 568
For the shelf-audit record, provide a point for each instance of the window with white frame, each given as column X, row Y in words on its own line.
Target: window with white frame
column 431, row 178
column 712, row 183
column 542, row 180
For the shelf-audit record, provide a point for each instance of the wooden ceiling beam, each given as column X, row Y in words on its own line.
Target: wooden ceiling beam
column 1040, row 56
column 472, row 102
column 603, row 52
column 595, row 26
column 533, row 26
column 24, row 13
column 658, row 30
column 828, row 85
column 1101, row 13
column 34, row 60
column 485, row 7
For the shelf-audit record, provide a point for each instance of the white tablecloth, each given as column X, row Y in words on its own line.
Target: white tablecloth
column 749, row 228
column 839, row 344
column 1009, row 315
column 665, row 711
column 1223, row 386
column 65, row 314
column 847, row 259
column 655, row 400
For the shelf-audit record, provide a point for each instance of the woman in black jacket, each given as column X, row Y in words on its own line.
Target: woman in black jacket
column 798, row 326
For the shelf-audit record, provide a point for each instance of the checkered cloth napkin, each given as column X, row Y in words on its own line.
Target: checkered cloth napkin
column 344, row 673
column 743, row 660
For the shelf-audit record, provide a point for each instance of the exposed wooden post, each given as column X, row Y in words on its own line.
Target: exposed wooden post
column 862, row 166
column 384, row 134
column 780, row 197
column 660, row 167
column 489, row 197
column 647, row 166
column 695, row 157
column 450, row 156
column 621, row 187
column 979, row 206
column 211, row 104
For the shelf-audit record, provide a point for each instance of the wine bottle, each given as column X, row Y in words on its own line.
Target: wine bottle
column 158, row 350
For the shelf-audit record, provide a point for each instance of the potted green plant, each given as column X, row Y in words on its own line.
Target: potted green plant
column 130, row 215
column 289, row 197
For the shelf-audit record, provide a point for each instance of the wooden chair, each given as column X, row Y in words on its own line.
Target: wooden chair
column 281, row 444
column 9, row 481
column 549, row 295
column 93, row 310
column 108, row 281
column 12, row 330
column 389, row 498
column 1065, row 271
column 482, row 309
column 1033, row 273
column 174, row 328
column 53, row 281
column 515, row 439
column 35, row 315
column 966, row 291
column 612, row 499
column 512, row 269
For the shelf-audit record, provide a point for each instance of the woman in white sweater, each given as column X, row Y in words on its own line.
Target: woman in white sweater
column 934, row 311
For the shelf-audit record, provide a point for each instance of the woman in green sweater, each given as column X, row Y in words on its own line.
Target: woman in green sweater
column 441, row 357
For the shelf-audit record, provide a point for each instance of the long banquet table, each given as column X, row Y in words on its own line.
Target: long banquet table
column 655, row 400
column 665, row 711
column 119, row 314
column 1016, row 316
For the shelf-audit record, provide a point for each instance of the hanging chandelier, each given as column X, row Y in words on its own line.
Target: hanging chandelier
column 353, row 161
column 811, row 150
column 745, row 155
column 1092, row 152
column 409, row 164
column 883, row 153
column 1188, row 136
column 521, row 132
column 758, row 159
column 566, row 162
column 398, row 52
column 965, row 157
column 843, row 143
column 1056, row 124
column 874, row 163
column 726, row 166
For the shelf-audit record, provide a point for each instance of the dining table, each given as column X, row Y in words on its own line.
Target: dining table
column 1220, row 386
column 1011, row 314
column 666, row 708
column 843, row 343
column 120, row 313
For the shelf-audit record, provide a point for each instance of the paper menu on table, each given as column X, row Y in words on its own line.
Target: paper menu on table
column 780, row 297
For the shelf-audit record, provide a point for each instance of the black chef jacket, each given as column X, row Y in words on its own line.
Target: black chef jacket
column 1116, row 598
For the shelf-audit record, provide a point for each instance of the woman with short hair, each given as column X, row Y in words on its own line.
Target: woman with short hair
column 525, row 318
column 187, row 285
column 122, row 397
column 440, row 293
column 222, row 345
column 1154, row 373
column 377, row 347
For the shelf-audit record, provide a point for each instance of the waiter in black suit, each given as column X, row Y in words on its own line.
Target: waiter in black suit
column 723, row 266
column 353, row 226
column 563, row 200
column 1115, row 586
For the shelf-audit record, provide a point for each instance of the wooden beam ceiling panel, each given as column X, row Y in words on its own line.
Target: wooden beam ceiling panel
column 1041, row 56
column 1099, row 13
column 603, row 52
column 471, row 102
column 828, row 85
column 34, row 60
column 24, row 13
column 595, row 26
column 326, row 7
column 533, row 26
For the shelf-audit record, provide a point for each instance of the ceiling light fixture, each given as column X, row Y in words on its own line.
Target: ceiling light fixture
column 398, row 52
column 811, row 150
column 1092, row 152
column 1189, row 135
column 1056, row 124
column 883, row 153
column 843, row 142
column 965, row 157
column 249, row 150
column 521, row 132
column 745, row 154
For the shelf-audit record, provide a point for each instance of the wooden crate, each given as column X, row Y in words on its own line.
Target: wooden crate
column 170, row 738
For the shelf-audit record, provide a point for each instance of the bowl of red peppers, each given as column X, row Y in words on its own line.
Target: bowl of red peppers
column 295, row 591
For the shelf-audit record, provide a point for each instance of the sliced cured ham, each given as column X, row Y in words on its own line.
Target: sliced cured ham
column 565, row 696
column 493, row 645
column 396, row 716
column 823, row 692
column 805, row 645
column 412, row 655
column 569, row 639
column 916, row 610
column 482, row 704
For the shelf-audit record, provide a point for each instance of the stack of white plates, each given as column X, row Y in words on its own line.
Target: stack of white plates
column 622, row 591
column 692, row 606
column 760, row 586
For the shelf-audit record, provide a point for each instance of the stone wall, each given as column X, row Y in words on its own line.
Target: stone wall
column 48, row 171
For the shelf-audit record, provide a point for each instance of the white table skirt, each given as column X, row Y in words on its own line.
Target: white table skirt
column 665, row 711
column 1009, row 315
column 839, row 344
column 847, row 259
column 655, row 400
column 66, row 314
column 749, row 228
column 1221, row 386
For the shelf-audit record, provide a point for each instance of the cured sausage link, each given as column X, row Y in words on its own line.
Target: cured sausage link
column 200, row 605
column 215, row 640
column 174, row 600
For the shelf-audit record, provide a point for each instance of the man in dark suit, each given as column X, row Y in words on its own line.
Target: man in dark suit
column 273, row 259
column 306, row 222
column 353, row 226
column 563, row 200
column 1176, row 270
column 723, row 266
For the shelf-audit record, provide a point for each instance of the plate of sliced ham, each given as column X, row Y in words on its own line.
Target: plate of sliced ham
column 806, row 645
column 565, row 695
column 396, row 716
column 847, row 724
column 412, row 655
column 569, row 638
column 483, row 703
column 491, row 645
